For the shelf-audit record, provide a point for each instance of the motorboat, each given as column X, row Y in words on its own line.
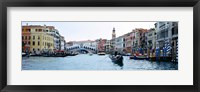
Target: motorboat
column 101, row 53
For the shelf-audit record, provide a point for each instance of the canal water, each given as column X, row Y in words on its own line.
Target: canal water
column 94, row 62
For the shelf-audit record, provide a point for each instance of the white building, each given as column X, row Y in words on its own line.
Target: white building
column 56, row 39
column 166, row 31
column 108, row 46
column 119, row 44
column 167, row 36
column 62, row 43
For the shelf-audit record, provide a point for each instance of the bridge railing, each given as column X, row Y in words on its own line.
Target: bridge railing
column 79, row 47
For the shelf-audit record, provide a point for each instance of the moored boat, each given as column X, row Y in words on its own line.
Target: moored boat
column 139, row 57
column 54, row 55
column 160, row 59
column 73, row 54
column 101, row 53
column 90, row 54
column 152, row 58
column 35, row 55
column 24, row 54
column 58, row 53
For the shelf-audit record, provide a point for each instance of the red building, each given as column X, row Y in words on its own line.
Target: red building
column 26, row 37
column 129, row 37
column 101, row 44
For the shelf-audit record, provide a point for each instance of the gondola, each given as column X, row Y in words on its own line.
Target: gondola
column 117, row 59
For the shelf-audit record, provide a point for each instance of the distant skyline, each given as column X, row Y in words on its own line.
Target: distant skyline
column 79, row 31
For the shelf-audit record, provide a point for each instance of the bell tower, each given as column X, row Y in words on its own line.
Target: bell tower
column 113, row 34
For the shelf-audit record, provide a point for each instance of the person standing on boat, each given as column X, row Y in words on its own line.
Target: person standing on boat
column 115, row 53
column 118, row 55
column 157, row 53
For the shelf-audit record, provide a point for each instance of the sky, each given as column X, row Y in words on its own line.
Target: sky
column 79, row 31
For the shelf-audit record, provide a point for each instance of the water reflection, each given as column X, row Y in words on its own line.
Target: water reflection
column 94, row 62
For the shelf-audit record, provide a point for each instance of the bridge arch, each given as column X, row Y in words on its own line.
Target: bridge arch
column 78, row 48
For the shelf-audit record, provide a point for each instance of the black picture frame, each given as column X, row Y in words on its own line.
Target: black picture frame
column 99, row 3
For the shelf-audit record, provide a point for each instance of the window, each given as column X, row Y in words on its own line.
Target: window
column 123, row 45
column 174, row 31
column 25, row 37
column 28, row 42
column 29, row 37
column 22, row 37
column 150, row 34
column 33, row 37
column 38, row 37
column 40, row 30
column 36, row 30
column 38, row 43
column 33, row 43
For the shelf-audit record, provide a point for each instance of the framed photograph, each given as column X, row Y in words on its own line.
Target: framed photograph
column 131, row 45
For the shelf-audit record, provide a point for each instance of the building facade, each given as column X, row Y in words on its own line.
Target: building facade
column 62, row 43
column 119, row 44
column 151, row 38
column 39, row 38
column 57, row 43
column 140, row 40
column 129, row 37
column 101, row 45
column 167, row 37
column 108, row 47
column 26, row 37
